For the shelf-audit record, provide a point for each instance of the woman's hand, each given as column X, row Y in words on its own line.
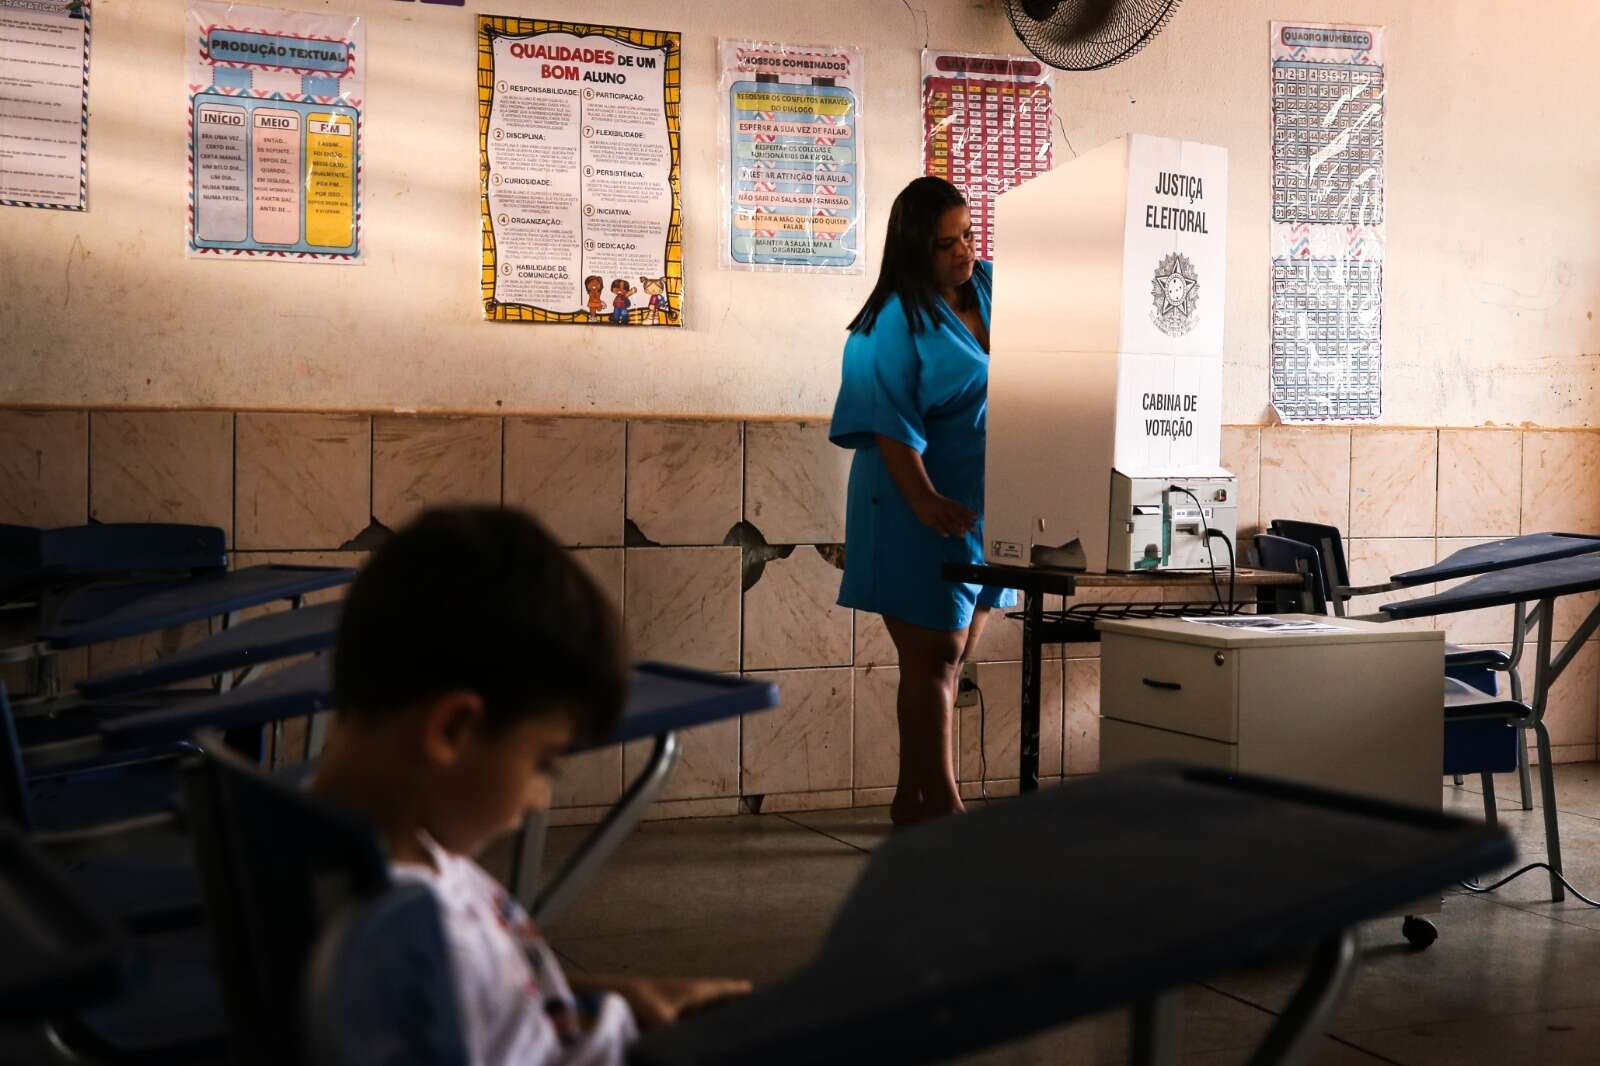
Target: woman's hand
column 939, row 513
column 943, row 515
column 663, row 1000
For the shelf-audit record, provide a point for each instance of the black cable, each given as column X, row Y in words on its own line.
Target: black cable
column 983, row 763
column 1481, row 889
column 1205, row 528
column 1232, row 565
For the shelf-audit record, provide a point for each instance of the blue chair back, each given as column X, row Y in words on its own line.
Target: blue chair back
column 381, row 991
column 276, row 866
column 1329, row 544
column 76, row 554
column 1293, row 557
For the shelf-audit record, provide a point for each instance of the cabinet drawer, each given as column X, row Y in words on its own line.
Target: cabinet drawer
column 1125, row 744
column 1185, row 688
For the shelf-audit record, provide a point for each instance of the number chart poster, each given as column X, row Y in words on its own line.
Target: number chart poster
column 985, row 127
column 1327, row 222
column 275, row 102
column 791, row 158
column 44, row 104
column 579, row 163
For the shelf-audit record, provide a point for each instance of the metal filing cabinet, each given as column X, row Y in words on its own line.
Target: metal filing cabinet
column 1359, row 709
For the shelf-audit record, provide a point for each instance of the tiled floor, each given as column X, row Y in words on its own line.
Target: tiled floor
column 1512, row 979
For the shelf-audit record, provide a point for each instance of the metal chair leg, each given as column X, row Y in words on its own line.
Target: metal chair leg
column 1157, row 1030
column 547, row 906
column 1489, row 810
column 1524, row 773
column 1519, row 636
column 1459, row 780
column 1552, row 826
column 1294, row 1035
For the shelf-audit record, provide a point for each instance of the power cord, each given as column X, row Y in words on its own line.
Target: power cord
column 964, row 685
column 1205, row 528
column 1232, row 563
column 983, row 763
column 1482, row 889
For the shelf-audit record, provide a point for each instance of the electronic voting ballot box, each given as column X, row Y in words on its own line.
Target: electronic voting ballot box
column 1105, row 378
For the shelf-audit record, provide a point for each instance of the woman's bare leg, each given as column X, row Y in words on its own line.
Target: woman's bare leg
column 924, row 705
column 975, row 628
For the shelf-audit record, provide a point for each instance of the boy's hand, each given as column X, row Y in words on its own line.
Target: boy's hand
column 663, row 1000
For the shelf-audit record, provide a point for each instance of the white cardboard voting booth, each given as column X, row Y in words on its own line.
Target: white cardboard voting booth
column 1105, row 374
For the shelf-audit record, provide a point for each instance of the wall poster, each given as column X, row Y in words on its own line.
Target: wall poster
column 1327, row 222
column 790, row 138
column 275, row 120
column 579, row 164
column 44, row 103
column 985, row 127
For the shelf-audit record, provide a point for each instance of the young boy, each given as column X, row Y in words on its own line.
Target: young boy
column 472, row 653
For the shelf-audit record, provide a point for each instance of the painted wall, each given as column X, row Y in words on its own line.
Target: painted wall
column 1493, row 266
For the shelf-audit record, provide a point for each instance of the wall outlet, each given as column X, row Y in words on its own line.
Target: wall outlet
column 967, row 686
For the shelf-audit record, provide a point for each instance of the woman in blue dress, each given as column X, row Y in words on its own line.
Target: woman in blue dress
column 912, row 406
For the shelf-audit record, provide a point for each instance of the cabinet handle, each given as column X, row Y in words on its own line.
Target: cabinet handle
column 1171, row 686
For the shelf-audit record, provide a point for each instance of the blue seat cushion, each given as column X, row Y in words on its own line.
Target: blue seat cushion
column 171, row 1011
column 1494, row 658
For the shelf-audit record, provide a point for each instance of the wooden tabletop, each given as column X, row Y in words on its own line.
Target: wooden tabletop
column 1184, row 578
column 1039, row 579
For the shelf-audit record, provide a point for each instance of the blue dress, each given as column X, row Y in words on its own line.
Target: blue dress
column 930, row 391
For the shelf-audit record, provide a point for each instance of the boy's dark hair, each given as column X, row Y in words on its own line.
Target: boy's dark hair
column 484, row 600
column 906, row 264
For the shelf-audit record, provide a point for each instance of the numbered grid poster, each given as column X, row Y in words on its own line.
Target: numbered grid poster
column 791, row 158
column 578, row 157
column 275, row 102
column 1327, row 222
column 44, row 103
column 985, row 127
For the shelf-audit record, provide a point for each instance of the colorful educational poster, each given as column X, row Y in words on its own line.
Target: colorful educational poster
column 275, row 102
column 790, row 140
column 985, row 127
column 1327, row 222
column 579, row 161
column 44, row 103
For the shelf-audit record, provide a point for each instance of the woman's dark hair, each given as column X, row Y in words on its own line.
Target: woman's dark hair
column 907, row 269
column 483, row 600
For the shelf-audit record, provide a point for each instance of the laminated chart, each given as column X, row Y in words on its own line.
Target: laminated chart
column 791, row 158
column 44, row 103
column 274, row 133
column 985, row 127
column 579, row 163
column 1327, row 222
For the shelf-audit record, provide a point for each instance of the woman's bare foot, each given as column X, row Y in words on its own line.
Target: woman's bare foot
column 906, row 814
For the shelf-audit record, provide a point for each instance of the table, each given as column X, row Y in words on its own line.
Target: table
column 663, row 700
column 1076, row 624
column 1542, row 583
column 94, row 615
column 956, row 937
column 247, row 646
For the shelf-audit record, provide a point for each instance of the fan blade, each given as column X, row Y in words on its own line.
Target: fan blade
column 1039, row 10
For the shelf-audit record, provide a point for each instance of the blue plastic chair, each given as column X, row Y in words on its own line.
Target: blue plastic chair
column 1469, row 749
column 1477, row 740
column 277, row 867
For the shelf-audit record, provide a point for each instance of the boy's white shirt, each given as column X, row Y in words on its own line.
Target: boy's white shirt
column 514, row 998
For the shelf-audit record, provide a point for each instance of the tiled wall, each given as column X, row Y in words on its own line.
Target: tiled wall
column 718, row 541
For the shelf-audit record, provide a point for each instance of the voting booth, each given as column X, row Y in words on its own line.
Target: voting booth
column 1105, row 378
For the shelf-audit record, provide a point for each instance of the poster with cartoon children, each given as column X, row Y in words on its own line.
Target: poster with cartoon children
column 579, row 160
